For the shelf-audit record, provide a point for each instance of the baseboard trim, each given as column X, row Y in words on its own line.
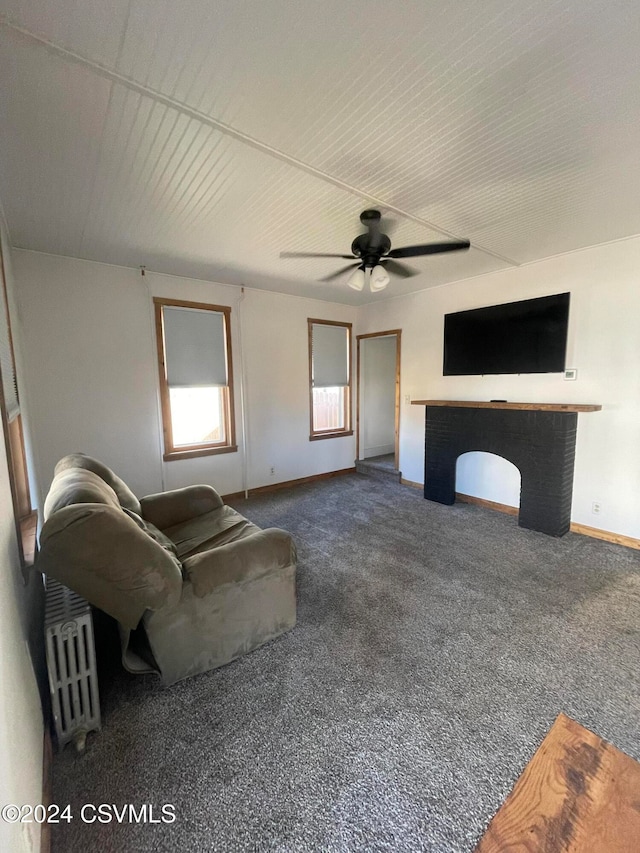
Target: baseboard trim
column 605, row 535
column 411, row 483
column 498, row 507
column 582, row 529
column 287, row 484
column 47, row 788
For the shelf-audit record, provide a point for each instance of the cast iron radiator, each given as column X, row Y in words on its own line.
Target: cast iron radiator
column 71, row 664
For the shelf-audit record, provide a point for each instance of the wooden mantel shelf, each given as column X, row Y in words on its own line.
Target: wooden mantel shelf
column 537, row 407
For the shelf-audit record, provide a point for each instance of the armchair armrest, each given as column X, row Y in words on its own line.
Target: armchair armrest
column 241, row 560
column 102, row 554
column 168, row 508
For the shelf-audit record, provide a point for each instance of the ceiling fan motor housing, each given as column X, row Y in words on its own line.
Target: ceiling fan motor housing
column 370, row 217
column 370, row 248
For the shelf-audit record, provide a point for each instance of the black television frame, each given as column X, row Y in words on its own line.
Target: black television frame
column 534, row 330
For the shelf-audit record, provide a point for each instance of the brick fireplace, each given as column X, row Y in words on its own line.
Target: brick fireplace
column 538, row 438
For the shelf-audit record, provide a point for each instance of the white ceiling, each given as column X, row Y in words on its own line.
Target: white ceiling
column 203, row 138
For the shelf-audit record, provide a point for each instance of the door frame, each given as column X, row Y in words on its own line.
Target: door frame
column 398, row 336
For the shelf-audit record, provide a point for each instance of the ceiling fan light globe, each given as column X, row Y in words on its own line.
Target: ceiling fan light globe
column 379, row 278
column 356, row 280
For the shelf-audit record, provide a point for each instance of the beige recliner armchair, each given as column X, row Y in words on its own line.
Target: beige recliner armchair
column 192, row 583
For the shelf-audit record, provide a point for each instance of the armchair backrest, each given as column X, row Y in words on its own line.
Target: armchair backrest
column 95, row 542
column 125, row 496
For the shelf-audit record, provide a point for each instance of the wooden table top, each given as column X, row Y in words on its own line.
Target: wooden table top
column 578, row 794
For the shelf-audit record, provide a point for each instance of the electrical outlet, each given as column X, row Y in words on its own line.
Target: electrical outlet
column 596, row 507
column 272, row 471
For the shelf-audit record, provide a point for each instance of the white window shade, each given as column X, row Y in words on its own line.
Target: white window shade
column 330, row 351
column 6, row 364
column 195, row 348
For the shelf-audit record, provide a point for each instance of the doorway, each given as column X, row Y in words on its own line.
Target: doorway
column 378, row 397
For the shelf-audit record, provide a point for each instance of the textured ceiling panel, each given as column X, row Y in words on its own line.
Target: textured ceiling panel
column 515, row 125
column 94, row 28
column 51, row 119
column 169, row 182
column 465, row 115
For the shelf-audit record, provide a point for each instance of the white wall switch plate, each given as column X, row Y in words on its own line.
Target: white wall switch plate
column 571, row 373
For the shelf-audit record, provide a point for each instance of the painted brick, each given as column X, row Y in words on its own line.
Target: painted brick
column 540, row 444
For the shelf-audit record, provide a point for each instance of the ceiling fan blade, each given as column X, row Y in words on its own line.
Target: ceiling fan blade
column 401, row 270
column 339, row 272
column 312, row 255
column 429, row 249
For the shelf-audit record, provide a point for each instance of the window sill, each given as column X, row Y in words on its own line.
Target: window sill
column 318, row 436
column 202, row 451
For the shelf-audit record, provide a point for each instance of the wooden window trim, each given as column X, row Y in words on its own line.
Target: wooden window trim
column 28, row 536
column 192, row 451
column 320, row 435
column 19, row 467
column 24, row 516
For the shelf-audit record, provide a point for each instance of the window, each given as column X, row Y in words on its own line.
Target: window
column 25, row 516
column 329, row 379
column 196, row 384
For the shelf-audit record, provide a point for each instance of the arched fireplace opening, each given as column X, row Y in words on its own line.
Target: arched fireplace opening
column 488, row 477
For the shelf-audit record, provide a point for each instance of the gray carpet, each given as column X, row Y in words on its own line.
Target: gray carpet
column 387, row 460
column 434, row 648
column 382, row 467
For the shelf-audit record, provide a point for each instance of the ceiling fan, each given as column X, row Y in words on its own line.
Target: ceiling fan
column 376, row 258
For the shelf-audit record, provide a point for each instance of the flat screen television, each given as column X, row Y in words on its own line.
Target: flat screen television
column 519, row 337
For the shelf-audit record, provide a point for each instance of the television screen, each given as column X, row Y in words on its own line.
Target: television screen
column 520, row 337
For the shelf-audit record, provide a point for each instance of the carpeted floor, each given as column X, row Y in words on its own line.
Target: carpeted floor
column 387, row 459
column 381, row 467
column 434, row 648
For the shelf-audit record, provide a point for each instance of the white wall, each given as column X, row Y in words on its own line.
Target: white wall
column 378, row 396
column 91, row 374
column 603, row 344
column 21, row 724
column 91, row 369
column 494, row 479
column 275, row 336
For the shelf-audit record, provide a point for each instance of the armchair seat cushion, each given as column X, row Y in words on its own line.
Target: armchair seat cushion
column 241, row 561
column 157, row 535
column 215, row 528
